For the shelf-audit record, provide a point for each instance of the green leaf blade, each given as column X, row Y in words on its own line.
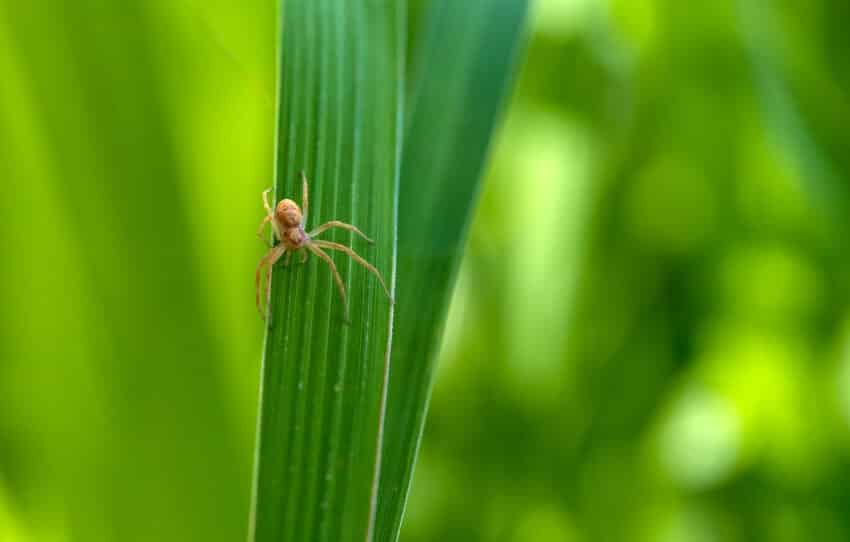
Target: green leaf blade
column 323, row 381
column 465, row 66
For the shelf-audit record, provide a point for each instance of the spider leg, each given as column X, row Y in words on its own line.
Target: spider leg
column 288, row 258
column 265, row 221
column 357, row 258
column 270, row 213
column 304, row 257
column 337, row 224
column 266, row 201
column 321, row 254
column 271, row 257
column 304, row 199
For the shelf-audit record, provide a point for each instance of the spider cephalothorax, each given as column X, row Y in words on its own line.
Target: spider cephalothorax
column 287, row 223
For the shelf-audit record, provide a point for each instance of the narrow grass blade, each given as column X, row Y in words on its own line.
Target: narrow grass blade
column 465, row 66
column 324, row 381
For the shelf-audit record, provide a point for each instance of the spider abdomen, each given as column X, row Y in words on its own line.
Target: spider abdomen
column 288, row 214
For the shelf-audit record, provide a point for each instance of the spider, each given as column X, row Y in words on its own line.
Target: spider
column 287, row 223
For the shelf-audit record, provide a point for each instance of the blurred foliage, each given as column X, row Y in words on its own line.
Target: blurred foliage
column 649, row 339
column 133, row 154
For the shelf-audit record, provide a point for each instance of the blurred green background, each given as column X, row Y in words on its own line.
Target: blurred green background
column 649, row 339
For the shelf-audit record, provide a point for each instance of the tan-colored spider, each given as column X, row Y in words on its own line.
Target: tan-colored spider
column 287, row 223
